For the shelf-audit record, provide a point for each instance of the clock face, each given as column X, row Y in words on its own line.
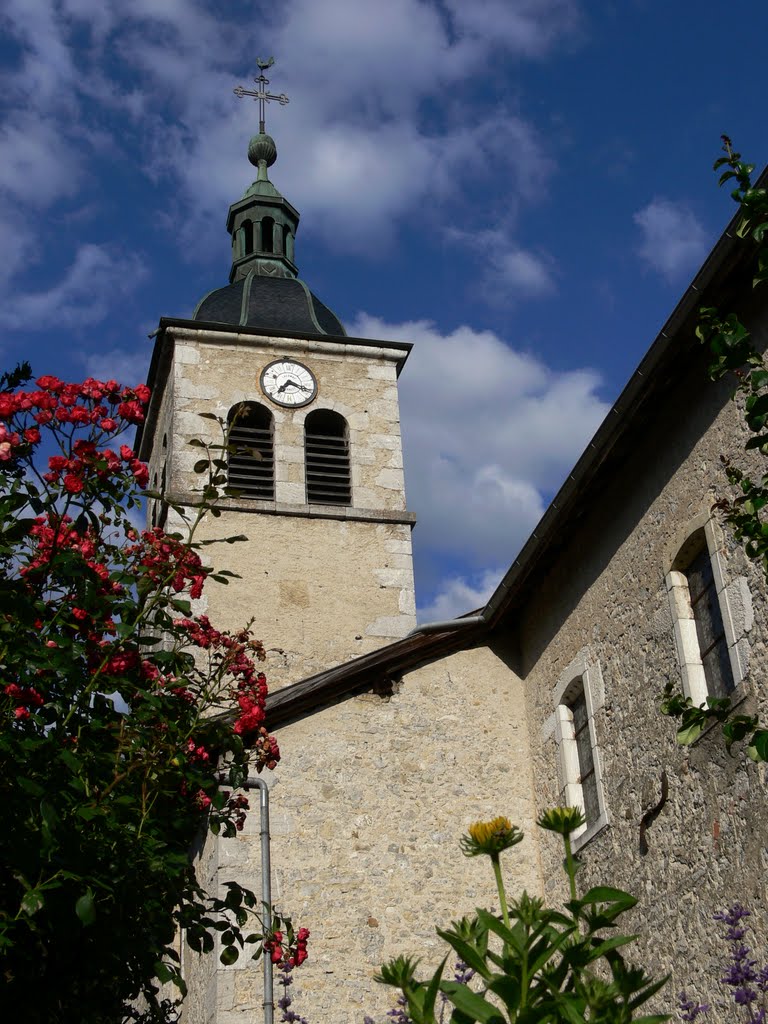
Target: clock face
column 288, row 383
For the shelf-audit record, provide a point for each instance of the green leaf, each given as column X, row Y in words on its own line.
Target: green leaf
column 604, row 947
column 88, row 813
column 229, row 955
column 467, row 953
column 32, row 901
column 473, row 1005
column 758, row 747
column 85, row 908
column 30, row 786
column 421, row 1000
column 689, row 734
column 201, row 466
column 48, row 814
column 605, row 894
column 507, row 988
column 164, row 973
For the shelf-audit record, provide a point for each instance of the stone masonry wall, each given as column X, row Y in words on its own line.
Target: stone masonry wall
column 320, row 591
column 606, row 601
column 322, row 583
column 367, row 810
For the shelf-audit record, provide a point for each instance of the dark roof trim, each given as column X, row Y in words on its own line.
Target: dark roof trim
column 264, row 332
column 377, row 667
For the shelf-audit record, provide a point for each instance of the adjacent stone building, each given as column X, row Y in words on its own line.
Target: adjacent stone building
column 395, row 739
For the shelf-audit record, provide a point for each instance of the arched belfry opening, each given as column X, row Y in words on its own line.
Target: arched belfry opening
column 247, row 236
column 267, row 234
column 326, row 448
column 250, row 456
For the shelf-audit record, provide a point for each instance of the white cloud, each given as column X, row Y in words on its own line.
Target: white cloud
column 508, row 271
column 673, row 240
column 38, row 165
column 127, row 366
column 458, row 595
column 84, row 295
column 46, row 74
column 528, row 27
column 489, row 432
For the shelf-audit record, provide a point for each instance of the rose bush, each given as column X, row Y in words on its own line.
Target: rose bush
column 112, row 758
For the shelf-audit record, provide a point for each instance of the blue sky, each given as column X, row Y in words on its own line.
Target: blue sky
column 520, row 187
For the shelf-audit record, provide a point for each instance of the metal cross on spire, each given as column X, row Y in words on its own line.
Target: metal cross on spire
column 261, row 93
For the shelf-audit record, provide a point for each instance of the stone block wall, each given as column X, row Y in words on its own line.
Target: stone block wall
column 606, row 601
column 367, row 810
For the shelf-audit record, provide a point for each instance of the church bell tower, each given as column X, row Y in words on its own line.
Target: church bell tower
column 314, row 462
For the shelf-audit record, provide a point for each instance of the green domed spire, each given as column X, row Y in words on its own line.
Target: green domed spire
column 262, row 224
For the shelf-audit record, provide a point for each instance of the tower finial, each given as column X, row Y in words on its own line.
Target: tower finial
column 261, row 93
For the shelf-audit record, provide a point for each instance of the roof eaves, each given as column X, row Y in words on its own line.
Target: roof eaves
column 364, row 672
column 266, row 332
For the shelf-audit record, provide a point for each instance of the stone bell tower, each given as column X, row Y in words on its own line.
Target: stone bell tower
column 314, row 464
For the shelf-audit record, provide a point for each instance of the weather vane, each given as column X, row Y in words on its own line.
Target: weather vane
column 261, row 93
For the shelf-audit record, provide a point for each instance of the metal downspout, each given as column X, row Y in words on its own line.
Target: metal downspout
column 266, row 890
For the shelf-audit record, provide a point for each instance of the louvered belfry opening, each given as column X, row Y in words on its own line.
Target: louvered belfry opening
column 251, row 463
column 326, row 446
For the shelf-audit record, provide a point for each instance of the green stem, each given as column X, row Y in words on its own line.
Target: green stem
column 570, row 867
column 500, row 886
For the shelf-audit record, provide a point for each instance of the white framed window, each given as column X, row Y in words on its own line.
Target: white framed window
column 579, row 700
column 711, row 615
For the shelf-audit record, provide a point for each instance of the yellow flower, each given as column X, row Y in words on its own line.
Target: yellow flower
column 490, row 837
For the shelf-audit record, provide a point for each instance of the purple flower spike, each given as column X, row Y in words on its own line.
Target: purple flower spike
column 741, row 976
column 689, row 1009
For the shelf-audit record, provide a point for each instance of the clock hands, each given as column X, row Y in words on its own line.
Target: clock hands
column 291, row 384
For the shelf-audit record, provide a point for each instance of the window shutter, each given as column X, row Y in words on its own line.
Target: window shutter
column 326, row 447
column 250, row 462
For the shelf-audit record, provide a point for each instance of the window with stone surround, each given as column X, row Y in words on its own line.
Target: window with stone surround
column 710, row 615
column 250, row 458
column 579, row 700
column 326, row 450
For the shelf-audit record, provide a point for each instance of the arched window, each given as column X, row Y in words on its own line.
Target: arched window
column 247, row 236
column 250, row 463
column 579, row 699
column 709, row 643
column 326, row 448
column 267, row 235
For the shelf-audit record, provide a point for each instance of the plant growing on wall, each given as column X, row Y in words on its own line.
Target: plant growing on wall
column 735, row 355
column 531, row 963
column 111, row 761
